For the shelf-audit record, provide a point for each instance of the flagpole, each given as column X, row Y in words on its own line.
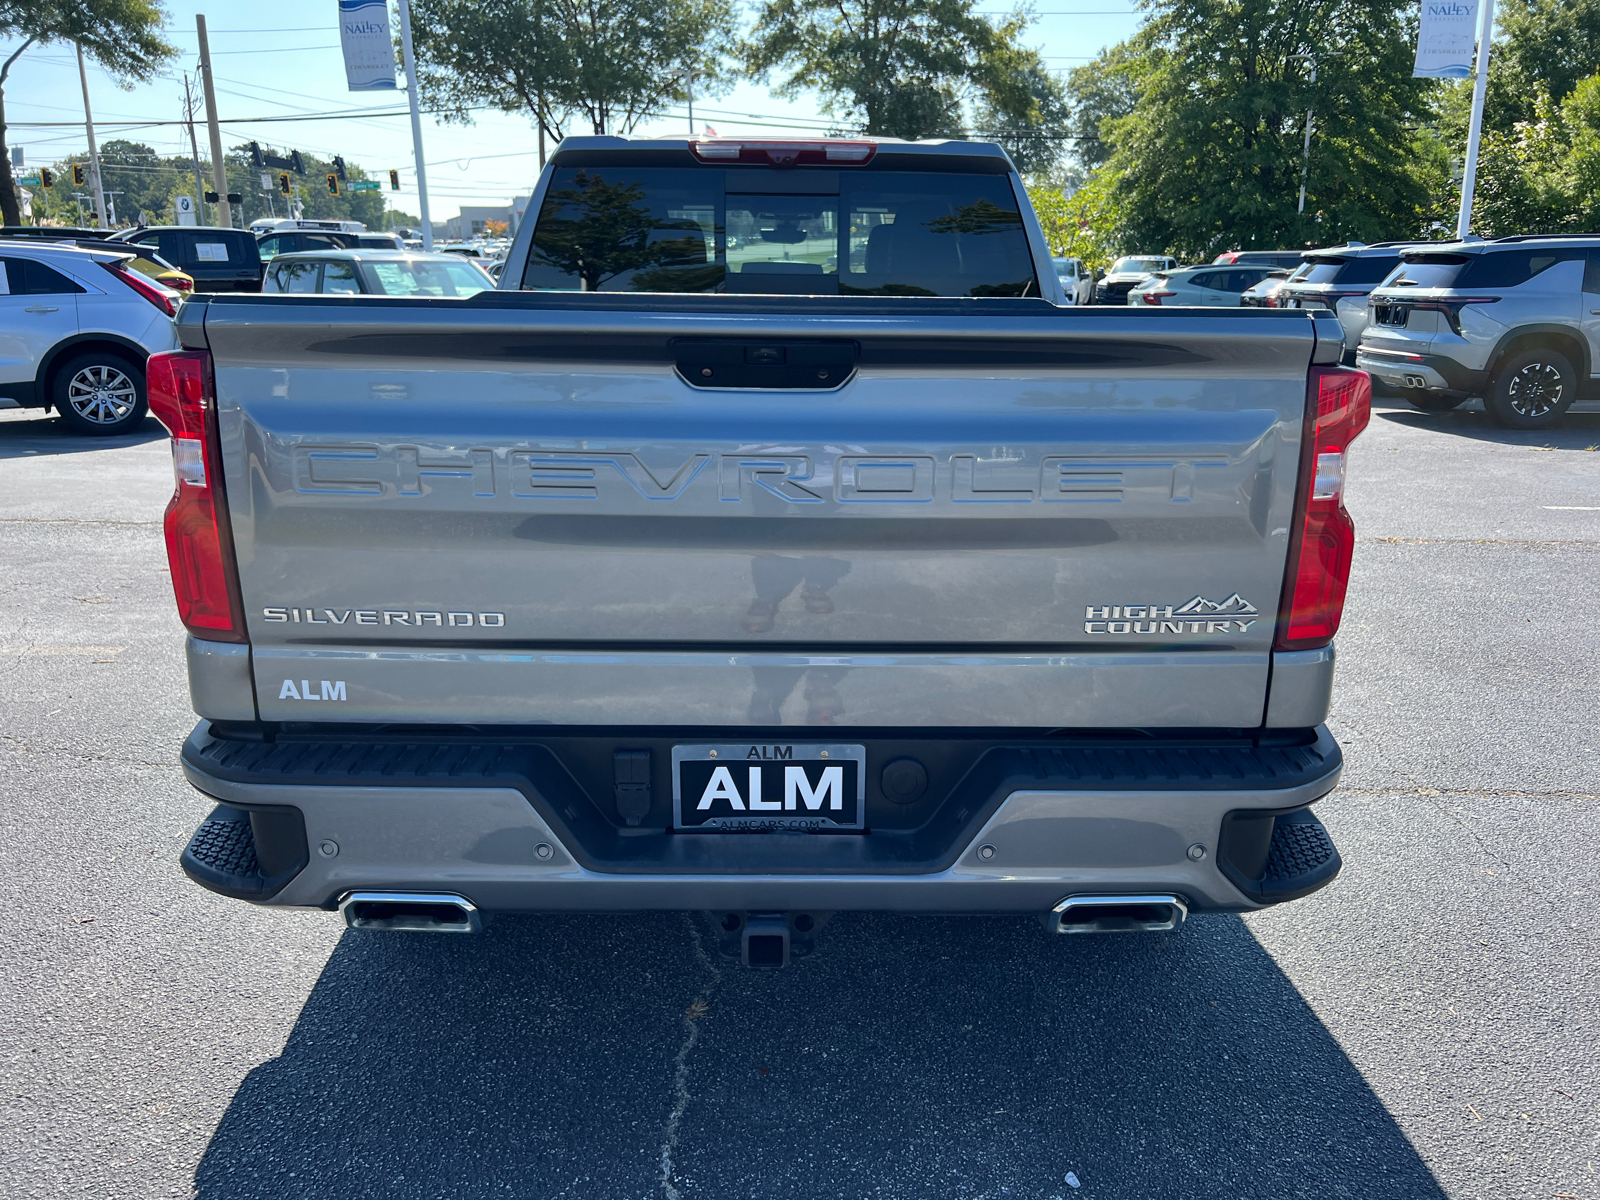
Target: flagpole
column 1469, row 175
column 410, row 62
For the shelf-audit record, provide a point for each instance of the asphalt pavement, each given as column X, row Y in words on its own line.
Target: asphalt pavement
column 1427, row 1026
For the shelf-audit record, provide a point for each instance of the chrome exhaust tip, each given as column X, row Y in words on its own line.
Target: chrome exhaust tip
column 410, row 912
column 1118, row 914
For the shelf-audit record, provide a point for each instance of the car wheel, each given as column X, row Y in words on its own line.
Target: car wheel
column 1532, row 390
column 100, row 394
column 1435, row 404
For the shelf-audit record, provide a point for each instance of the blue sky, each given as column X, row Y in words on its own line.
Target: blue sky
column 289, row 63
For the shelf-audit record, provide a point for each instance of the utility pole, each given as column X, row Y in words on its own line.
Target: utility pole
column 410, row 63
column 219, row 170
column 1305, row 154
column 94, row 152
column 194, row 150
column 1469, row 176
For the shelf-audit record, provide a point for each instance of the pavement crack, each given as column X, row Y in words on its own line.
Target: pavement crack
column 692, row 1016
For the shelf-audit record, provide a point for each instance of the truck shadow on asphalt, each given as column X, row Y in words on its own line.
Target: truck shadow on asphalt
column 1574, row 431
column 36, row 435
column 909, row 1057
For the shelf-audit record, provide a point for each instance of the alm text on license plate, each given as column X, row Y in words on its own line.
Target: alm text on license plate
column 769, row 788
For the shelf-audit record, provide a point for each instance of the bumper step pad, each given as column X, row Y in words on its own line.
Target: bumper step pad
column 226, row 853
column 1276, row 857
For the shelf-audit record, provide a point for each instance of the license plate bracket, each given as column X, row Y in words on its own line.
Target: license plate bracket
column 769, row 787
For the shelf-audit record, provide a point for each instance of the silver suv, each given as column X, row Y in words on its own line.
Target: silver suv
column 1340, row 278
column 1514, row 320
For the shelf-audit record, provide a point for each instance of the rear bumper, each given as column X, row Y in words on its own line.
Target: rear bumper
column 1027, row 826
column 1421, row 372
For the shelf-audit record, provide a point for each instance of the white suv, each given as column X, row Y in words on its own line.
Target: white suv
column 75, row 329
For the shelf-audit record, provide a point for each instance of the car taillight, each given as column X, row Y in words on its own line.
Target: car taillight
column 1338, row 407
column 1155, row 297
column 199, row 541
column 163, row 298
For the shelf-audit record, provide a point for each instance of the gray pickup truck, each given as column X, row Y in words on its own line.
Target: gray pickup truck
column 776, row 540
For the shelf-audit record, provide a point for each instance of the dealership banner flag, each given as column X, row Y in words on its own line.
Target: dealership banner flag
column 368, row 49
column 1446, row 37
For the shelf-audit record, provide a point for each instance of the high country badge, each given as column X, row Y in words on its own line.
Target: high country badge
column 1234, row 615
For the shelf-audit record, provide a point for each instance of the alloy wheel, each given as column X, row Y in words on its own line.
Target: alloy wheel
column 102, row 394
column 1535, row 390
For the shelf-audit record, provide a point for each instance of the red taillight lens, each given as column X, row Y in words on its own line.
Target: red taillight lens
column 199, row 544
column 163, row 298
column 1337, row 409
column 1156, row 297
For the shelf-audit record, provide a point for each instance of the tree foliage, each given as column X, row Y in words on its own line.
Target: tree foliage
column 123, row 36
column 1088, row 224
column 1100, row 91
column 1210, row 157
column 1548, row 45
column 610, row 63
column 1035, row 139
column 897, row 68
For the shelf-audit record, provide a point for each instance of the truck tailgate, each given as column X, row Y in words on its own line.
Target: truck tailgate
column 536, row 509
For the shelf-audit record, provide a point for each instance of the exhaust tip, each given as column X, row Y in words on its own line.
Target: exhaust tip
column 410, row 912
column 1118, row 914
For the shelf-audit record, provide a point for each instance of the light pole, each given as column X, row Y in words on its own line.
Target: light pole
column 1305, row 155
column 1469, row 176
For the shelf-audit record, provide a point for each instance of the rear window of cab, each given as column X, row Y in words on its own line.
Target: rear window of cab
column 879, row 233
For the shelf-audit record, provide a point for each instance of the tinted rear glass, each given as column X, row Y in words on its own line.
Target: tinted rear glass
column 1508, row 268
column 1431, row 270
column 650, row 229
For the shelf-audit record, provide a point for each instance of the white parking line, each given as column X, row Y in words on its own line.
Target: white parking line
column 1572, row 507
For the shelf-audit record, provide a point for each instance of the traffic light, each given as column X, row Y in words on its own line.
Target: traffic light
column 298, row 163
column 333, row 184
column 47, row 178
column 212, row 197
column 78, row 173
column 338, row 168
column 256, row 160
column 394, row 181
column 283, row 183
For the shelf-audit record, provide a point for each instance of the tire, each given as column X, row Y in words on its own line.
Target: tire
column 100, row 394
column 1434, row 404
column 1532, row 390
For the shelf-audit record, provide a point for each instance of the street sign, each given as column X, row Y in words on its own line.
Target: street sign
column 266, row 181
column 185, row 208
column 29, row 181
column 365, row 185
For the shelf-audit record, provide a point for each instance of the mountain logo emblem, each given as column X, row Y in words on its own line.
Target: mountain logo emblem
column 1233, row 604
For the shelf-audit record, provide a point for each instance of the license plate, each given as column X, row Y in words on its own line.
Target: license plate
column 769, row 788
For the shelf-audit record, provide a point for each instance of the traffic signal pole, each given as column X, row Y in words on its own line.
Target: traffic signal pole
column 94, row 152
column 410, row 63
column 219, row 170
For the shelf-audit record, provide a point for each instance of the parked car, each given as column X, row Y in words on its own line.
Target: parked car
column 1128, row 273
column 380, row 241
column 579, row 599
column 1211, row 286
column 76, row 326
column 49, row 233
column 1077, row 280
column 294, row 241
column 217, row 259
column 1516, row 321
column 1341, row 278
column 1265, row 293
column 145, row 260
column 1289, row 259
column 374, row 273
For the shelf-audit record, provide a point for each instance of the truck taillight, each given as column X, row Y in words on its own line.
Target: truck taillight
column 1337, row 409
column 199, row 543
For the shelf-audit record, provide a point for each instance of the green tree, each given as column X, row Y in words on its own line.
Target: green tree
column 1548, row 44
column 611, row 62
column 123, row 36
column 1210, row 158
column 897, row 68
column 1089, row 224
column 1100, row 91
column 1034, row 140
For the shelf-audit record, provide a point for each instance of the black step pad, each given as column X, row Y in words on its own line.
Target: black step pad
column 248, row 854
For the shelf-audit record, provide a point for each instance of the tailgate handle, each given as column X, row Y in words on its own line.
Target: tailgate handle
column 787, row 365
